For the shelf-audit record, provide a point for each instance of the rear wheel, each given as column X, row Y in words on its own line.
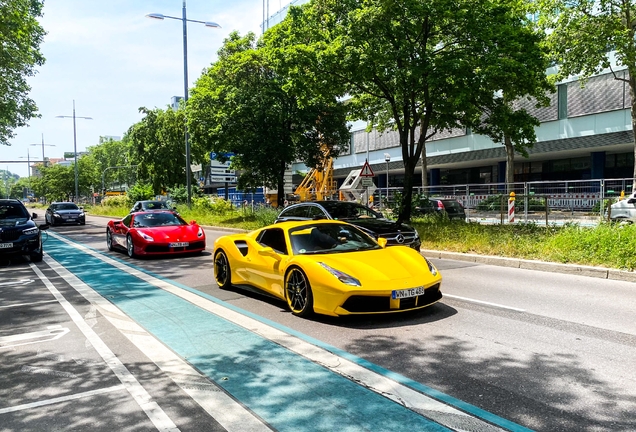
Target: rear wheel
column 298, row 293
column 130, row 246
column 222, row 272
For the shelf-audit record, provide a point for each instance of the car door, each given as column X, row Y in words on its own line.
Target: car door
column 266, row 272
column 120, row 230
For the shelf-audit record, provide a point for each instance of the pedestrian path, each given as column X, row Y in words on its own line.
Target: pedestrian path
column 288, row 380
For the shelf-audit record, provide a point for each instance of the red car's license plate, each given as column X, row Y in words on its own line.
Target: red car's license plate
column 179, row 244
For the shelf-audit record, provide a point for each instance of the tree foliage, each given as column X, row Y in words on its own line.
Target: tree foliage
column 157, row 146
column 241, row 105
column 586, row 36
column 20, row 39
column 412, row 66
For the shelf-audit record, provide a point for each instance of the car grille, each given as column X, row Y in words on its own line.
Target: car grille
column 364, row 304
column 10, row 235
column 165, row 248
column 399, row 238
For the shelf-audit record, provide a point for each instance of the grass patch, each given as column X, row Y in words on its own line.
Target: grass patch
column 606, row 245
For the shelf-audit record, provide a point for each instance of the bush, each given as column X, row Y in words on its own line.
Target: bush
column 140, row 192
column 212, row 204
column 117, row 201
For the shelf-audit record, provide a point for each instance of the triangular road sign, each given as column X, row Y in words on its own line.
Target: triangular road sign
column 366, row 170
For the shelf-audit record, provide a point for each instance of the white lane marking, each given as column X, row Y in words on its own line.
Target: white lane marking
column 154, row 412
column 28, row 304
column 61, row 399
column 229, row 413
column 387, row 387
column 49, row 334
column 484, row 302
column 17, row 282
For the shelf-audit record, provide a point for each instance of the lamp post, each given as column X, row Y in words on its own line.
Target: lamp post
column 74, row 148
column 185, row 21
column 28, row 158
column 42, row 144
column 387, row 159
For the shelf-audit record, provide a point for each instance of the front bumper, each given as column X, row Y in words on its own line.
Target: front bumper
column 69, row 221
column 22, row 245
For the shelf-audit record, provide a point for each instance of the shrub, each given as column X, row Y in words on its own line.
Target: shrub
column 117, row 201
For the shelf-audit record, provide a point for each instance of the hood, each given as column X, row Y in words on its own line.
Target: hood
column 17, row 223
column 381, row 265
column 380, row 226
column 173, row 233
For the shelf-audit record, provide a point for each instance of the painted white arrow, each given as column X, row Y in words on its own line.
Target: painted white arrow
column 18, row 282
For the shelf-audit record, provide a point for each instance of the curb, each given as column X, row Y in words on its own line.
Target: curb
column 574, row 269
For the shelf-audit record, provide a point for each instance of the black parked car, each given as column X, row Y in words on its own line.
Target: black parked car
column 60, row 213
column 441, row 206
column 19, row 234
column 368, row 220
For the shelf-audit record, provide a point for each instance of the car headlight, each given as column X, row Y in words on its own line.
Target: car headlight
column 431, row 267
column 145, row 236
column 57, row 215
column 30, row 231
column 200, row 232
column 81, row 214
column 417, row 235
column 342, row 277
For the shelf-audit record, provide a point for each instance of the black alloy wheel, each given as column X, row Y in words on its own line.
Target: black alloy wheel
column 222, row 272
column 36, row 255
column 298, row 293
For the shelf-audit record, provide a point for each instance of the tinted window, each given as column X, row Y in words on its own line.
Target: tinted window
column 296, row 211
column 149, row 220
column 346, row 210
column 126, row 221
column 274, row 238
column 329, row 238
column 315, row 212
column 155, row 205
column 13, row 211
column 65, row 206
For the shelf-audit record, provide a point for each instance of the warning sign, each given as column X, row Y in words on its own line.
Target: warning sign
column 366, row 170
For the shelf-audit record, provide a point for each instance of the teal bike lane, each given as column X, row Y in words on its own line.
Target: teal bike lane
column 286, row 390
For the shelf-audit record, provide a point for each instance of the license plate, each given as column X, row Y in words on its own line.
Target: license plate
column 406, row 293
column 68, row 216
column 6, row 245
column 179, row 244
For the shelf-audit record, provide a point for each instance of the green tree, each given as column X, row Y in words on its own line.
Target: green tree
column 585, row 35
column 411, row 66
column 110, row 161
column 157, row 147
column 242, row 105
column 20, row 39
column 57, row 182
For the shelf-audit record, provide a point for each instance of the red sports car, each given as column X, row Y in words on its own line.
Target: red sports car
column 154, row 233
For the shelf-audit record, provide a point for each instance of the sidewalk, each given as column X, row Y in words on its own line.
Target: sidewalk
column 575, row 269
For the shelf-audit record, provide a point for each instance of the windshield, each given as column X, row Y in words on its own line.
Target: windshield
column 346, row 210
column 155, row 205
column 329, row 238
column 149, row 220
column 13, row 211
column 65, row 206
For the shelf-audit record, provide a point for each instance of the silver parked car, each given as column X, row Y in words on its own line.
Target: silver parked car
column 624, row 210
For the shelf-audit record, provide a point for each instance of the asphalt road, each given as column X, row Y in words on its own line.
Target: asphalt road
column 547, row 351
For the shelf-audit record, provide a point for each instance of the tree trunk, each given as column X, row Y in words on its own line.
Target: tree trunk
column 510, row 164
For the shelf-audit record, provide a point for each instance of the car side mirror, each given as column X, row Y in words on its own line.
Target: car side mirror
column 44, row 227
column 193, row 222
column 631, row 201
column 34, row 216
column 269, row 252
column 382, row 241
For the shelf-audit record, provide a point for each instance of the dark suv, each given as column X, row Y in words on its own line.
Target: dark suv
column 441, row 206
column 356, row 214
column 19, row 234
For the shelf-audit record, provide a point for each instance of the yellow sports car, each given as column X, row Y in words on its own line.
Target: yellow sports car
column 327, row 267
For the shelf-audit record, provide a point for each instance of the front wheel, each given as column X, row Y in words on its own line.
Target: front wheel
column 109, row 240
column 222, row 272
column 298, row 293
column 130, row 246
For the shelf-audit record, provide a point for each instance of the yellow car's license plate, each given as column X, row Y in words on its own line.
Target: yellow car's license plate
column 406, row 293
column 179, row 244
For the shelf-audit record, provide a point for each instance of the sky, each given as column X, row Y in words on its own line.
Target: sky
column 111, row 60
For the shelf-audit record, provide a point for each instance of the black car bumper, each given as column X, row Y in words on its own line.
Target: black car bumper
column 22, row 245
column 68, row 221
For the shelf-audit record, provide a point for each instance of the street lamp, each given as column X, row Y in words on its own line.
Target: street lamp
column 387, row 159
column 28, row 172
column 48, row 145
column 74, row 148
column 185, row 20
